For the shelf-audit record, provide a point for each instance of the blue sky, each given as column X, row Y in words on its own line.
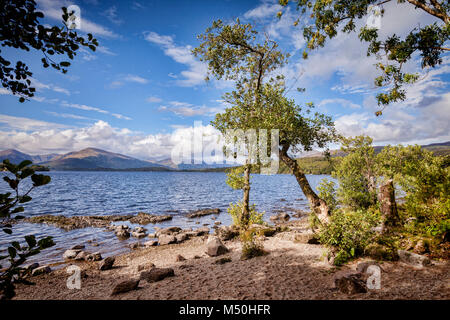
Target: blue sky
column 142, row 90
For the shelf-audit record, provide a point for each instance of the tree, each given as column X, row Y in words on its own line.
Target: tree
column 10, row 207
column 298, row 131
column 239, row 53
column 20, row 29
column 236, row 52
column 331, row 17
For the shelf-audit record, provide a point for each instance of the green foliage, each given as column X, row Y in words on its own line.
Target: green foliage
column 235, row 178
column 327, row 192
column 252, row 245
column 20, row 29
column 331, row 17
column 235, row 211
column 356, row 174
column 10, row 206
column 349, row 232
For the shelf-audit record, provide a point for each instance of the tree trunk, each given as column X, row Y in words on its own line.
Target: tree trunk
column 245, row 216
column 389, row 211
column 318, row 205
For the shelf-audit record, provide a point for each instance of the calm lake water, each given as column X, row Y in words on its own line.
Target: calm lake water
column 175, row 193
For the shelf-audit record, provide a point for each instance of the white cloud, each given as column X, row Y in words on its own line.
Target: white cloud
column 95, row 109
column 26, row 124
column 342, row 102
column 264, row 10
column 111, row 14
column 48, row 138
column 196, row 72
column 135, row 78
column 153, row 99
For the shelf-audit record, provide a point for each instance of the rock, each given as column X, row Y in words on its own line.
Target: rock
column 33, row 266
column 180, row 258
column 71, row 254
column 282, row 216
column 204, row 212
column 157, row 274
column 152, row 235
column 134, row 245
column 222, row 260
column 217, row 223
column 138, row 234
column 146, row 266
column 202, row 231
column 167, row 231
column 146, row 218
column 197, row 257
column 125, row 286
column 96, row 256
column 421, row 247
column 227, row 232
column 413, row 258
column 81, row 256
column 151, row 243
column 215, row 247
column 181, row 237
column 41, row 270
column 165, row 239
column 107, row 264
column 307, row 238
column 140, row 229
column 350, row 283
column 122, row 227
column 123, row 234
column 78, row 247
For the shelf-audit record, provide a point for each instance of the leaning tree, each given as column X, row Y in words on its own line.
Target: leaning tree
column 238, row 52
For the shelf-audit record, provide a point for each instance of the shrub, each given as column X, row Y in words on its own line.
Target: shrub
column 349, row 232
column 327, row 192
column 235, row 211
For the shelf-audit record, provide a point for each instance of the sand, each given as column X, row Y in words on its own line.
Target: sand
column 290, row 270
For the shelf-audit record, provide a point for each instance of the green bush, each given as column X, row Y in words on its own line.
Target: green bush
column 235, row 211
column 327, row 192
column 349, row 232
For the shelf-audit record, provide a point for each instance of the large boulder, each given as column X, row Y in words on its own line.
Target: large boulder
column 215, row 247
column 96, row 256
column 157, row 274
column 203, row 212
column 413, row 258
column 125, row 286
column 306, row 238
column 202, row 231
column 181, row 237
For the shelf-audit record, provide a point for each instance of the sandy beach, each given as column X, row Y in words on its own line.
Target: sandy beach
column 290, row 271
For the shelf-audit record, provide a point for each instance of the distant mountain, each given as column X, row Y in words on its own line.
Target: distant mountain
column 15, row 156
column 96, row 159
column 190, row 166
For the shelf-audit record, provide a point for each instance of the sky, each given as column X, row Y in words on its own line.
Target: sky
column 142, row 90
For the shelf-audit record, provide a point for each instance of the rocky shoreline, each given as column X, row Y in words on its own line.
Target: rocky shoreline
column 194, row 264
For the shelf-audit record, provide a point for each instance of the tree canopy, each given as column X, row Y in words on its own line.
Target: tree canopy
column 332, row 17
column 21, row 29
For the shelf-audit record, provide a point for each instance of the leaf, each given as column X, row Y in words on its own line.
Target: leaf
column 8, row 231
column 46, row 242
column 65, row 64
column 23, row 164
column 40, row 179
column 16, row 245
column 31, row 241
column 12, row 252
column 25, row 199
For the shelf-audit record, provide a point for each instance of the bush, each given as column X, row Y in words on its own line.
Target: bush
column 327, row 192
column 349, row 232
column 235, row 211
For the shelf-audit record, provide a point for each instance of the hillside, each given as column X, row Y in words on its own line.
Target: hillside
column 93, row 159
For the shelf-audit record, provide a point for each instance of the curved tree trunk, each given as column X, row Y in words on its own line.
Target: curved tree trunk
column 318, row 205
